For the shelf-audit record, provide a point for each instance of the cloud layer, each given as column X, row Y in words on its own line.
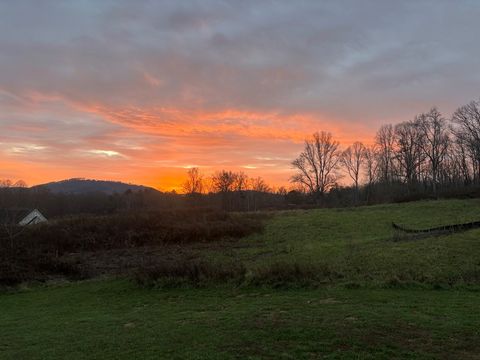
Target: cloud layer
column 139, row 90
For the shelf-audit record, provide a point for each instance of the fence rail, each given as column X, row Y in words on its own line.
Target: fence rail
column 445, row 228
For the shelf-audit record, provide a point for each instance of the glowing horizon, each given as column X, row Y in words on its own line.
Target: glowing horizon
column 140, row 91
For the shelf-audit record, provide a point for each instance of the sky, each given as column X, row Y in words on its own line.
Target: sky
column 139, row 91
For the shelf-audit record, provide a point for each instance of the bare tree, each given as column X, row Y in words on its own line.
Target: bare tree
column 259, row 185
column 467, row 130
column 317, row 164
column 434, row 141
column 385, row 141
column 409, row 153
column 224, row 181
column 9, row 225
column 462, row 160
column 352, row 159
column 371, row 164
column 455, row 169
column 370, row 155
column 241, row 181
column 194, row 182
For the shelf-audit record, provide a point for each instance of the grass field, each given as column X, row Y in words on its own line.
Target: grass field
column 388, row 297
column 360, row 246
column 117, row 320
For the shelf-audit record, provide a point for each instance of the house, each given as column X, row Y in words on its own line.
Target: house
column 22, row 217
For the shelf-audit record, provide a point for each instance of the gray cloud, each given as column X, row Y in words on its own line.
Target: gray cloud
column 358, row 64
column 281, row 55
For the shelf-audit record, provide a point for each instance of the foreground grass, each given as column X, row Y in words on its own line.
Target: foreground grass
column 117, row 320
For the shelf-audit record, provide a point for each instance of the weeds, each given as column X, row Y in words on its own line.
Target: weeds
column 40, row 251
column 280, row 274
column 189, row 273
column 199, row 273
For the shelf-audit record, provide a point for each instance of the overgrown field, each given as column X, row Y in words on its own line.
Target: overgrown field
column 333, row 284
column 66, row 247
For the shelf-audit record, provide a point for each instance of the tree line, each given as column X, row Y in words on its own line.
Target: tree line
column 429, row 154
column 233, row 190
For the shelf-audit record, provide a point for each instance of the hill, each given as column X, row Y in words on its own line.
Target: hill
column 82, row 186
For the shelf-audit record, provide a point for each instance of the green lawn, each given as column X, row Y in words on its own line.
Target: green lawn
column 413, row 299
column 117, row 320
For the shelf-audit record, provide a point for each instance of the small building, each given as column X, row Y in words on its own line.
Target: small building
column 21, row 217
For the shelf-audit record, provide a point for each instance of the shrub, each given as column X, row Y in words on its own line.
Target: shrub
column 68, row 268
column 92, row 233
column 11, row 274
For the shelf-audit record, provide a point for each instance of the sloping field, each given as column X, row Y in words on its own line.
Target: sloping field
column 379, row 295
column 360, row 245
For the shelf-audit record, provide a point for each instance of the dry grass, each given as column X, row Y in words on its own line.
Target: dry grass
column 39, row 252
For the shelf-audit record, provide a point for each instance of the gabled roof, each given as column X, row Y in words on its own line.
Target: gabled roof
column 13, row 216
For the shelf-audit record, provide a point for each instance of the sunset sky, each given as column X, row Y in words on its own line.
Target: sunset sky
column 138, row 91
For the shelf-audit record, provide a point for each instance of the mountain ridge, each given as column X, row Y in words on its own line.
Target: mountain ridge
column 84, row 186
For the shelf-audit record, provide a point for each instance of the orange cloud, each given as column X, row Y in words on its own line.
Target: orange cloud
column 154, row 146
column 252, row 124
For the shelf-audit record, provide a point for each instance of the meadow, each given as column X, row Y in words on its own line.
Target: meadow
column 324, row 283
column 359, row 245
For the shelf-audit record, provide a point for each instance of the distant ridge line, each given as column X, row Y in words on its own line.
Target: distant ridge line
column 83, row 186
